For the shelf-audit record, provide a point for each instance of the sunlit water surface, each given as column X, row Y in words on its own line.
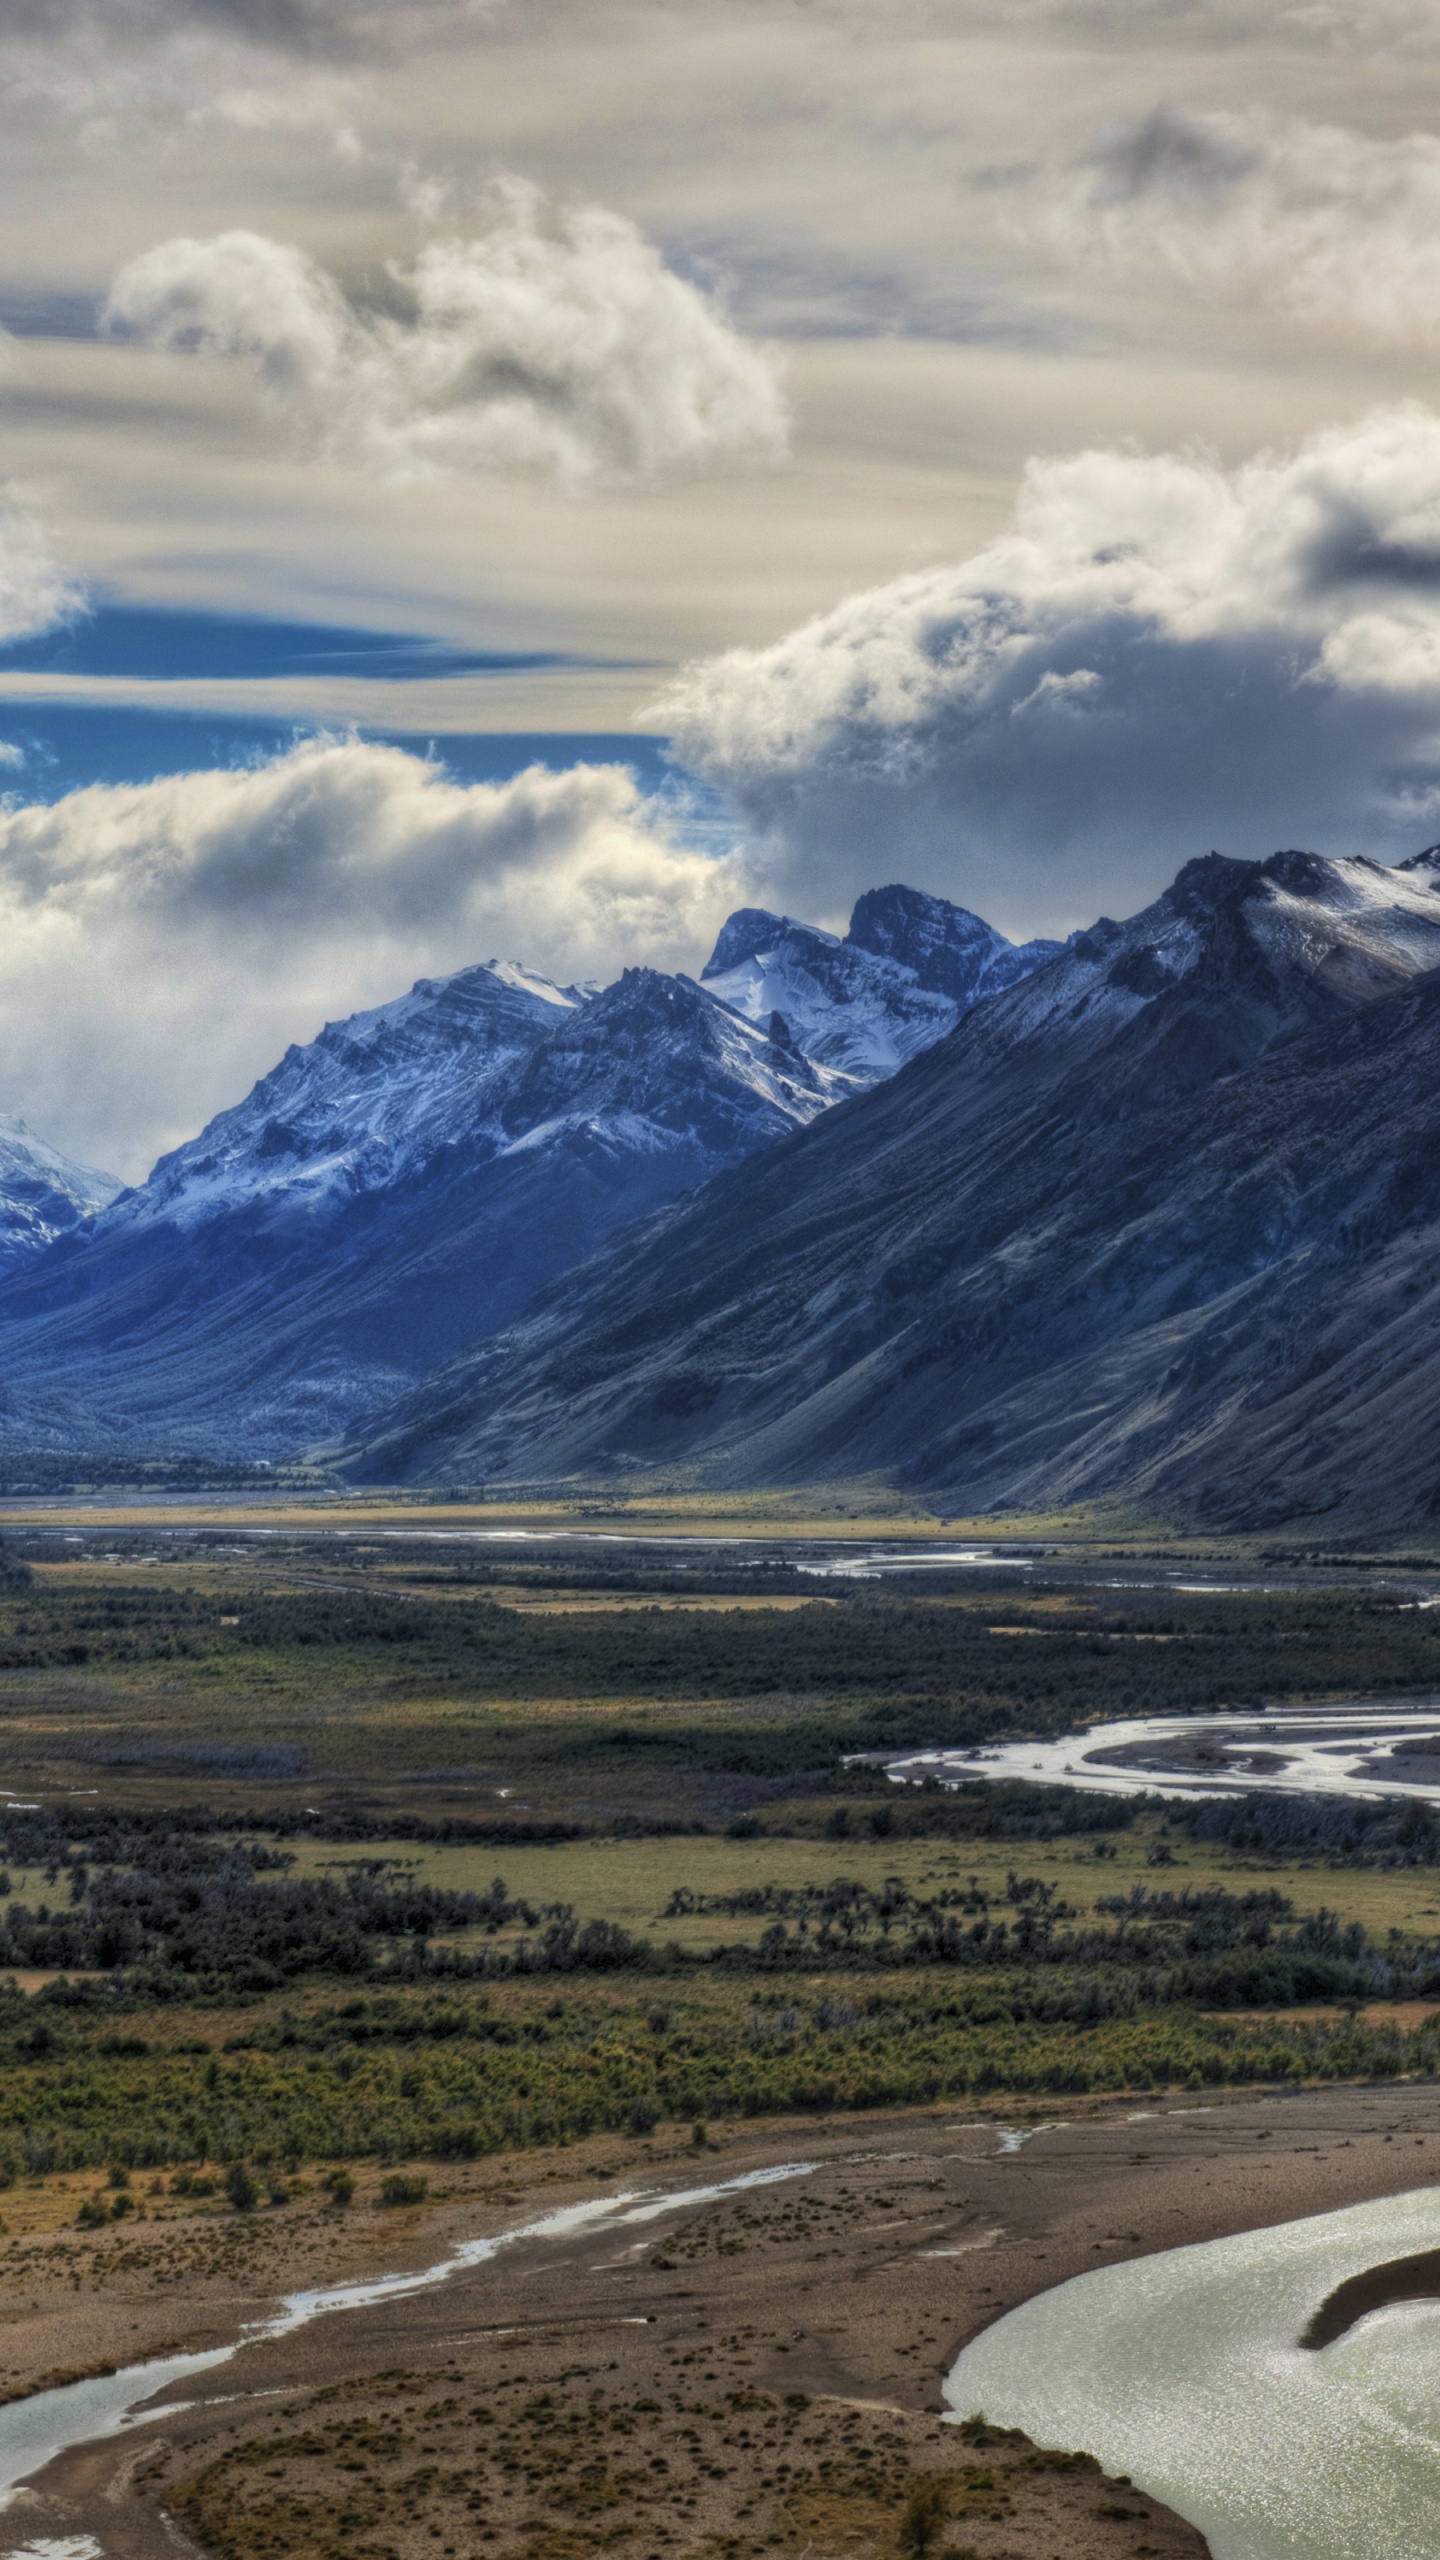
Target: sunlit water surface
column 1182, row 2370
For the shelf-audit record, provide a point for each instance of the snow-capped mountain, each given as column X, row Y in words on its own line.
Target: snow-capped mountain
column 906, row 970
column 354, row 1109
column 1161, row 1220
column 388, row 1193
column 43, row 1194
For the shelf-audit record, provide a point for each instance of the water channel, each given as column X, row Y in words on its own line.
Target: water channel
column 1364, row 1750
column 1183, row 2370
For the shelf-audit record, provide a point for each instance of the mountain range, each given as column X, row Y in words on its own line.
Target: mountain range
column 401, row 1187
column 1160, row 1220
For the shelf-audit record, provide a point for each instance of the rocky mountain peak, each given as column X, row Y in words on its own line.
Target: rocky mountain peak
column 950, row 951
column 750, row 931
column 909, row 967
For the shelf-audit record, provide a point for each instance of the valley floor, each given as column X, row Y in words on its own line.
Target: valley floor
column 760, row 2373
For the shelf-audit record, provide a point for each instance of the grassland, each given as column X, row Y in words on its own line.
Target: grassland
column 254, row 1917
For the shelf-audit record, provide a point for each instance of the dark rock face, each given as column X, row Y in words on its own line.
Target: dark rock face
column 1161, row 1218
column 951, row 952
column 749, row 930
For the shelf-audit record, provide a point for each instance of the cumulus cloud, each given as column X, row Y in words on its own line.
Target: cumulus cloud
column 163, row 942
column 564, row 345
column 1158, row 657
column 1324, row 223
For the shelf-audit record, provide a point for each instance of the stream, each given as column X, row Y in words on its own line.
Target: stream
column 34, row 2431
column 1363, row 1750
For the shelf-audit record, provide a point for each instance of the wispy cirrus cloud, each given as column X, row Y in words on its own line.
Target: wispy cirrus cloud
column 108, row 74
column 559, row 343
column 1159, row 656
column 1325, row 223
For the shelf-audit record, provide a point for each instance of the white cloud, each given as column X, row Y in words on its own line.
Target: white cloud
column 34, row 592
column 162, row 943
column 1327, row 224
column 561, row 345
column 1159, row 657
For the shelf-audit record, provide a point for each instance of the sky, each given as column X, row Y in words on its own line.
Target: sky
column 528, row 476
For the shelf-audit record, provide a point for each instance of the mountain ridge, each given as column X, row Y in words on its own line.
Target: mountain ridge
column 1067, row 1198
column 397, row 1188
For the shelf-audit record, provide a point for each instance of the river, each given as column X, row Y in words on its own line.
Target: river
column 1184, row 2371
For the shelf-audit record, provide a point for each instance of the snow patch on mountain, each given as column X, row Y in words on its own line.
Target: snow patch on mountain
column 1358, row 927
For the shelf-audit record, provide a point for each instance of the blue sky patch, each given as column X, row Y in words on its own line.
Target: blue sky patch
column 170, row 643
column 47, row 749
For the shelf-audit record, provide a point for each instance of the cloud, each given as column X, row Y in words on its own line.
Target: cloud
column 339, row 29
column 1159, row 657
column 565, row 346
column 109, row 71
column 162, row 943
column 346, row 28
column 1324, row 223
column 34, row 592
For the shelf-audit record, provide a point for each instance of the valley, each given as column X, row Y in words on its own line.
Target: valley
column 368, row 1885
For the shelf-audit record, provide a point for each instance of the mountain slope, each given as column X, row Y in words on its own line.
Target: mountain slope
column 43, row 1194
column 1160, row 1218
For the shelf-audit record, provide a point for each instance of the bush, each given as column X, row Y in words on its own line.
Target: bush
column 240, row 2187
column 397, row 2189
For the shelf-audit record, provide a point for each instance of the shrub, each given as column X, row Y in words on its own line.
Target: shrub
column 240, row 2187
column 398, row 2189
